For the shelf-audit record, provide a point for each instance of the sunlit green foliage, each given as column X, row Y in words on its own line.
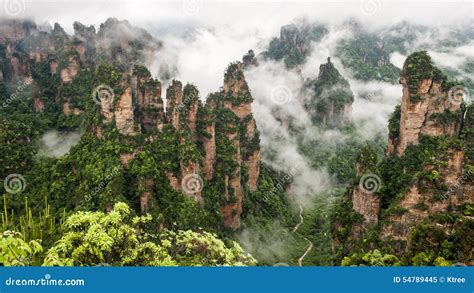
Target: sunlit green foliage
column 32, row 225
column 371, row 258
column 117, row 238
column 190, row 248
column 96, row 238
column 14, row 251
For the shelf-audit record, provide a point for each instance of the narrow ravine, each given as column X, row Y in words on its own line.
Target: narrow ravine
column 310, row 246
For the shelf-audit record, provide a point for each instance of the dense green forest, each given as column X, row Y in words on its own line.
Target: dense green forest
column 187, row 183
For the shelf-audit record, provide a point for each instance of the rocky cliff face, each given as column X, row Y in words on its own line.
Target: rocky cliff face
column 147, row 90
column 124, row 116
column 185, row 112
column 16, row 30
column 432, row 109
column 68, row 73
column 24, row 44
column 207, row 125
column 190, row 107
column 364, row 200
column 48, row 56
column 223, row 128
column 174, row 98
column 137, row 106
column 93, row 76
column 429, row 107
column 238, row 99
column 426, row 176
column 146, row 185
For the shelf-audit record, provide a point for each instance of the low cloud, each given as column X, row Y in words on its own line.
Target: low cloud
column 397, row 59
column 278, row 100
column 374, row 102
column 268, row 243
column 201, row 55
column 56, row 144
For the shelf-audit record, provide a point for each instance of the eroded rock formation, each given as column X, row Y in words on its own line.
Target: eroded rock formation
column 426, row 175
column 429, row 107
column 98, row 80
column 148, row 95
column 241, row 132
column 331, row 97
column 68, row 73
column 174, row 102
column 364, row 199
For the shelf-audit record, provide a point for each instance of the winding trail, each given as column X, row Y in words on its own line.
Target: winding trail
column 310, row 246
column 301, row 220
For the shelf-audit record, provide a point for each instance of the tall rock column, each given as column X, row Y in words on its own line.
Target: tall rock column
column 174, row 101
column 425, row 177
column 332, row 97
column 365, row 201
column 207, row 135
column 190, row 108
column 429, row 105
column 67, row 74
column 238, row 99
column 191, row 181
column 237, row 123
column 124, row 116
column 116, row 100
column 148, row 93
column 182, row 112
column 430, row 119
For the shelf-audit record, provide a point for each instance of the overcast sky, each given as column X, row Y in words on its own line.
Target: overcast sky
column 268, row 14
column 222, row 31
